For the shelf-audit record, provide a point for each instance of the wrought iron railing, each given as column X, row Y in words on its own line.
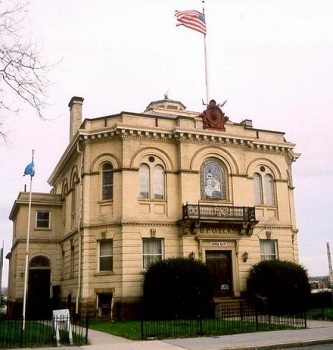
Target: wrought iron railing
column 41, row 333
column 227, row 320
column 218, row 212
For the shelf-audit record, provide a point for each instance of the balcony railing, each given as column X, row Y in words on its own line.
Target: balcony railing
column 194, row 215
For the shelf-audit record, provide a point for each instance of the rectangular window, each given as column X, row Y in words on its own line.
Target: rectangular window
column 106, row 255
column 152, row 251
column 268, row 249
column 43, row 219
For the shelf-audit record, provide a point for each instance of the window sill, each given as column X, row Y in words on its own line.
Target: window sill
column 224, row 201
column 274, row 206
column 105, row 202
column 105, row 273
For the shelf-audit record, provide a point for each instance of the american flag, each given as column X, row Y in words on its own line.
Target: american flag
column 191, row 19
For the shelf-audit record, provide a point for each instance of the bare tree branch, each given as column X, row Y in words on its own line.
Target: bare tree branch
column 23, row 74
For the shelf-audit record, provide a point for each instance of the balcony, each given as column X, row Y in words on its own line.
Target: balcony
column 197, row 215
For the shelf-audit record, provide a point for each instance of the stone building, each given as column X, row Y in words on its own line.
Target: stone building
column 133, row 188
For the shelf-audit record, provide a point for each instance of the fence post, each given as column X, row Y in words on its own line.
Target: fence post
column 87, row 327
column 200, row 330
column 241, row 310
column 257, row 319
column 141, row 328
column 21, row 337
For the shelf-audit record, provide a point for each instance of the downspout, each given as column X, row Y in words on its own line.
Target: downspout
column 79, row 224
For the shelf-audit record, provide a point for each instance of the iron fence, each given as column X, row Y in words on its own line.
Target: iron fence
column 227, row 320
column 34, row 333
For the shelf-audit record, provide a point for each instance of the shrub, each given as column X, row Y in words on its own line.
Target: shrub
column 321, row 299
column 178, row 287
column 283, row 284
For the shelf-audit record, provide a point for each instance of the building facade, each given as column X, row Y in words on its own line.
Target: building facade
column 134, row 188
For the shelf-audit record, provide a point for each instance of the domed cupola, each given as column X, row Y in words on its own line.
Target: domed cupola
column 166, row 104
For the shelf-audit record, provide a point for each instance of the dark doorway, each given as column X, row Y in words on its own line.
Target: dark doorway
column 38, row 300
column 105, row 305
column 220, row 265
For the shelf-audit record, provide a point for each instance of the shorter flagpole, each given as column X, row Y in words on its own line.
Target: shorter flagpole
column 27, row 249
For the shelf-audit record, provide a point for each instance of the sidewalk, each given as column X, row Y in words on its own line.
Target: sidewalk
column 318, row 332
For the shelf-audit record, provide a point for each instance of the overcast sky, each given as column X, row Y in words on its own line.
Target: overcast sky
column 272, row 60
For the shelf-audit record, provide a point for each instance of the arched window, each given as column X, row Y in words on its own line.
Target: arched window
column 269, row 190
column 151, row 179
column 64, row 201
column 107, row 181
column 158, row 182
column 263, row 187
column 213, row 180
column 144, row 181
column 257, row 188
column 74, row 183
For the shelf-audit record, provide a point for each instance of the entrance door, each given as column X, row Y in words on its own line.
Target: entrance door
column 220, row 265
column 39, row 281
column 38, row 301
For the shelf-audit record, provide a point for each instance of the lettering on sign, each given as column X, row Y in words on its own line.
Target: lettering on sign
column 218, row 244
column 218, row 230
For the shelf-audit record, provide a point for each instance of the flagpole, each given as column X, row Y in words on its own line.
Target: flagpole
column 27, row 253
column 206, row 71
column 206, row 61
column 1, row 269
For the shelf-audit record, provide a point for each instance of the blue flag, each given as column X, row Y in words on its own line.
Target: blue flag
column 30, row 169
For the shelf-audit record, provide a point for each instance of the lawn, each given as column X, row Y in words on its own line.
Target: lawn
column 126, row 329
column 35, row 333
column 325, row 314
column 179, row 328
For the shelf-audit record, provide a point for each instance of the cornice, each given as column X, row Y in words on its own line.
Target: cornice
column 64, row 160
column 274, row 226
column 182, row 135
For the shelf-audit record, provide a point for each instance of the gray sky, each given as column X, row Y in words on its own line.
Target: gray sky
column 271, row 59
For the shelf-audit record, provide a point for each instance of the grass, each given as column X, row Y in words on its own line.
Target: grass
column 36, row 333
column 325, row 314
column 126, row 329
column 179, row 328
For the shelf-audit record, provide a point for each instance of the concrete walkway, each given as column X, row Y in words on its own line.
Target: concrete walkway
column 318, row 332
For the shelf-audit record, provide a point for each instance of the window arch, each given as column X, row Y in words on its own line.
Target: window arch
column 107, row 181
column 213, row 180
column 151, row 179
column 263, row 187
column 39, row 261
